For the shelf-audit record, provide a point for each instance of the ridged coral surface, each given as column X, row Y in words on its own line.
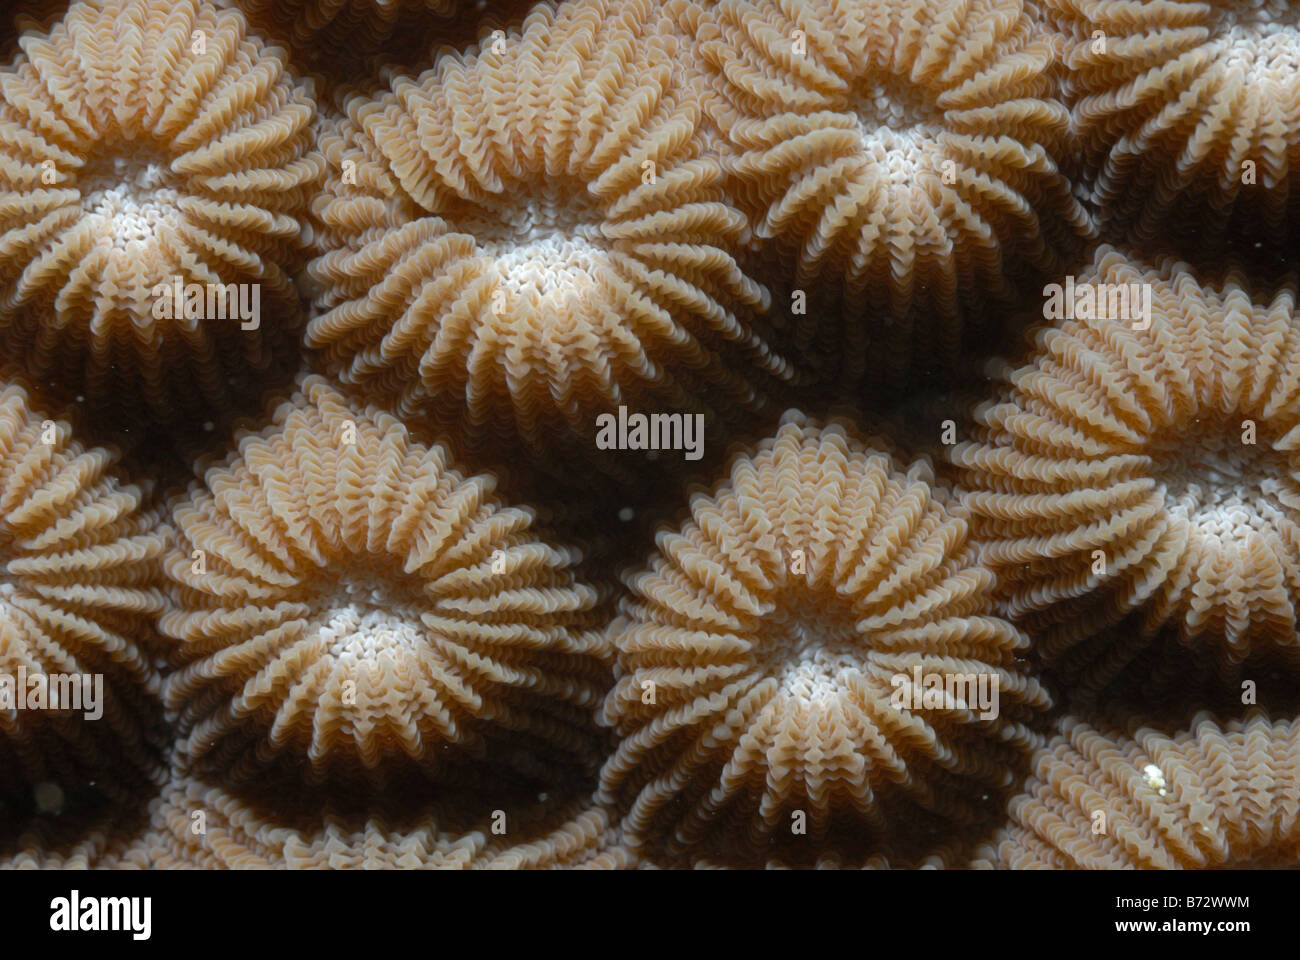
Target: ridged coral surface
column 759, row 656
column 1189, row 112
column 345, row 599
column 425, row 609
column 112, row 840
column 905, row 152
column 1150, row 468
column 1220, row 794
column 196, row 825
column 532, row 233
column 145, row 144
column 79, row 589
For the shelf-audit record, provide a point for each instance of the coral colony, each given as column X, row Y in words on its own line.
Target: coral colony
column 522, row 434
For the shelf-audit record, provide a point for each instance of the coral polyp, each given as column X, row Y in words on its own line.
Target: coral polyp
column 1221, row 794
column 763, row 651
column 147, row 147
column 903, row 153
column 80, row 587
column 347, row 604
column 1187, row 112
column 510, row 274
column 1147, row 464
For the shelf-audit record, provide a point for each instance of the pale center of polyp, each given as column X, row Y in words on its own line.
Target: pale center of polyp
column 365, row 616
column 545, row 241
column 1224, row 487
column 552, row 269
column 130, row 195
column 810, row 645
column 1261, row 38
column 898, row 125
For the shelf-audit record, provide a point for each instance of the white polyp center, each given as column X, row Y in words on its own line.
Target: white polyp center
column 1259, row 38
column 811, row 648
column 131, row 195
column 355, row 631
column 1223, row 487
column 367, row 616
column 898, row 126
column 545, row 241
column 554, row 268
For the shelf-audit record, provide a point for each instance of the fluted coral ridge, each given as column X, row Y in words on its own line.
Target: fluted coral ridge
column 1188, row 112
column 238, row 835
column 1220, row 794
column 1146, row 464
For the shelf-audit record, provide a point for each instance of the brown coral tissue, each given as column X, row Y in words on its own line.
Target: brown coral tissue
column 79, row 589
column 1218, row 795
column 772, row 657
column 347, row 604
column 452, row 520
column 344, row 38
column 1188, row 113
column 532, row 234
column 901, row 152
column 367, row 20
column 1146, row 462
column 155, row 175
column 238, row 835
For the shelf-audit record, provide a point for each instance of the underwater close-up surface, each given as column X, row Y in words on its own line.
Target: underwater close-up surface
column 649, row 434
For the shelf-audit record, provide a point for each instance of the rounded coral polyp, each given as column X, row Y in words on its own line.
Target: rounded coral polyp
column 761, row 653
column 899, row 160
column 1187, row 113
column 347, row 605
column 510, row 272
column 1221, row 794
column 151, row 146
column 79, row 591
column 1147, row 466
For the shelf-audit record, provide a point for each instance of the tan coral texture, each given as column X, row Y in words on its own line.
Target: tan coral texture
column 79, row 590
column 346, row 600
column 143, row 141
column 904, row 152
column 536, row 235
column 113, row 838
column 237, row 835
column 1221, row 794
column 1149, row 469
column 760, row 652
column 1189, row 112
